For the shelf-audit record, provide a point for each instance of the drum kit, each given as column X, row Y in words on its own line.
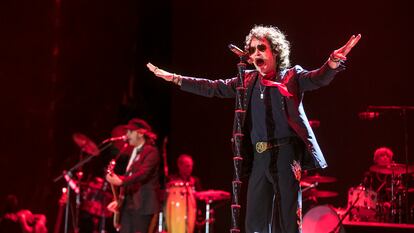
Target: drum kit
column 388, row 202
column 181, row 207
column 385, row 204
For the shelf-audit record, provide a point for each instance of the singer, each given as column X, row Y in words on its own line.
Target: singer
column 138, row 201
column 278, row 141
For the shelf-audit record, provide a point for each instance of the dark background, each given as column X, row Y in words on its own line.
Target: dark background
column 79, row 66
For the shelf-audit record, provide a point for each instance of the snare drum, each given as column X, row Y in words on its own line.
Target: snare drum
column 321, row 219
column 365, row 204
column 180, row 208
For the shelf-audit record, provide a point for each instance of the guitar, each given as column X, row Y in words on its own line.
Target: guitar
column 118, row 194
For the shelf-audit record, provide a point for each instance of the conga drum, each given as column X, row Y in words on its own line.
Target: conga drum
column 180, row 208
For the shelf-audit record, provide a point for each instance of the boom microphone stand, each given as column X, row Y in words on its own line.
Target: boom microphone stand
column 67, row 175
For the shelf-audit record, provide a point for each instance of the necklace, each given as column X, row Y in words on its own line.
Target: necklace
column 261, row 91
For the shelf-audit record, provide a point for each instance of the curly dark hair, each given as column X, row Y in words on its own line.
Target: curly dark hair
column 277, row 40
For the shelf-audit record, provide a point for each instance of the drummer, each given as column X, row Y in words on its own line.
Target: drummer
column 378, row 182
column 185, row 169
column 383, row 156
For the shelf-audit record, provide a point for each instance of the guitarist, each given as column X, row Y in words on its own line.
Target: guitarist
column 138, row 200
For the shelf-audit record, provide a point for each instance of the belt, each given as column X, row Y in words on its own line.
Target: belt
column 265, row 146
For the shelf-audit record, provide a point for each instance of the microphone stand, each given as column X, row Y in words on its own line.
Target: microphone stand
column 69, row 173
column 237, row 138
column 403, row 110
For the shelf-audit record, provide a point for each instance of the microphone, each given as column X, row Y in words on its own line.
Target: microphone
column 120, row 138
column 368, row 115
column 71, row 182
column 237, row 51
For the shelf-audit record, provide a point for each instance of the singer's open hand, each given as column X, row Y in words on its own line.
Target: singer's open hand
column 160, row 73
column 114, row 179
column 344, row 50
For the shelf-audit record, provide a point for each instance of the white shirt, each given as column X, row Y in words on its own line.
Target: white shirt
column 134, row 156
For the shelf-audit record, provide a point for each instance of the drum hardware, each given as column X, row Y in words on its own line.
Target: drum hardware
column 209, row 197
column 307, row 185
column 362, row 202
column 321, row 193
column 338, row 227
column 318, row 178
column 402, row 110
column 389, row 207
column 85, row 144
column 392, row 169
column 398, row 195
column 401, row 188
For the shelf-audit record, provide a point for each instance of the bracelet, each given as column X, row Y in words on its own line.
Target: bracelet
column 333, row 59
column 176, row 79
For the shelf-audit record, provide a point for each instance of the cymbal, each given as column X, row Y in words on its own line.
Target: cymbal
column 321, row 193
column 318, row 178
column 212, row 195
column 85, row 144
column 305, row 184
column 393, row 168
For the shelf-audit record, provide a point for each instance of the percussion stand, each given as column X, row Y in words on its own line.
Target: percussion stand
column 209, row 219
column 393, row 200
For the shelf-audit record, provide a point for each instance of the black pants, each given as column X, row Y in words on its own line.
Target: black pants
column 273, row 186
column 134, row 222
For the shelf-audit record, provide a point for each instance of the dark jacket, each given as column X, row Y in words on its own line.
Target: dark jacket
column 297, row 80
column 141, row 182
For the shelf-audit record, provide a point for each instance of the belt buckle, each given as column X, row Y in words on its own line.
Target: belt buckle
column 261, row 147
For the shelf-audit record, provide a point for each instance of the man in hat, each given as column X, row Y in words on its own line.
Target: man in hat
column 138, row 201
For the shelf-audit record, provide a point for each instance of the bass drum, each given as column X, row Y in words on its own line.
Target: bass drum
column 180, row 208
column 365, row 204
column 321, row 219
